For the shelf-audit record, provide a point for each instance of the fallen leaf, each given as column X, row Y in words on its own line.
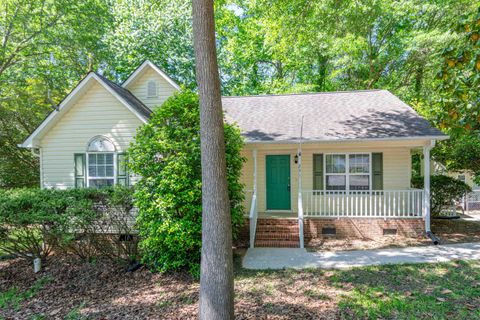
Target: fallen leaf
column 446, row 291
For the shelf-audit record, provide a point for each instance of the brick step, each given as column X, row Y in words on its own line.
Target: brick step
column 277, row 236
column 277, row 222
column 280, row 229
column 276, row 244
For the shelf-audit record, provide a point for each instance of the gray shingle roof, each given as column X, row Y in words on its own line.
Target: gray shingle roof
column 329, row 116
column 133, row 101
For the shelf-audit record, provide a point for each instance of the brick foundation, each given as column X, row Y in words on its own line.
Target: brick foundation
column 361, row 228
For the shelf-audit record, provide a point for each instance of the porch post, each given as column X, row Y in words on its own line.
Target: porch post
column 255, row 171
column 300, row 202
column 253, row 207
column 426, row 184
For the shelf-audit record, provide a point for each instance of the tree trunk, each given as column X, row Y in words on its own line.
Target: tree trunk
column 216, row 274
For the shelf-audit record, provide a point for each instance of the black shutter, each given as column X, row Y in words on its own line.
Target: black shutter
column 122, row 170
column 318, row 171
column 377, row 171
column 80, row 170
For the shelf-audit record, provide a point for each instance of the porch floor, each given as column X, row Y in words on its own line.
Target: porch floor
column 280, row 258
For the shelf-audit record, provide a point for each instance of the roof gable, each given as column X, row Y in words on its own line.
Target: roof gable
column 328, row 116
column 144, row 66
column 123, row 95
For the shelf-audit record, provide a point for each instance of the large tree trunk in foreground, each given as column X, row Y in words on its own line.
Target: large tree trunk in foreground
column 216, row 275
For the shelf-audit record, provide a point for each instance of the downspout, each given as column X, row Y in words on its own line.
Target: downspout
column 426, row 197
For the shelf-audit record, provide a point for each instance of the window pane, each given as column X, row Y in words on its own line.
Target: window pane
column 79, row 165
column 100, row 165
column 336, row 182
column 359, row 182
column 335, row 163
column 92, row 159
column 101, row 171
column 92, row 170
column 100, row 159
column 359, row 163
column 100, row 183
column 109, row 158
column 109, row 171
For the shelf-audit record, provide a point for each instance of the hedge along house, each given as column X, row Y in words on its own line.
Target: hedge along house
column 316, row 163
column 332, row 164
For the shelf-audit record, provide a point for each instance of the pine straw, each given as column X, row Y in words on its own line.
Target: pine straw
column 102, row 290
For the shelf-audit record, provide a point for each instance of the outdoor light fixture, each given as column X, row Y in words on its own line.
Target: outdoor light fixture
column 296, row 158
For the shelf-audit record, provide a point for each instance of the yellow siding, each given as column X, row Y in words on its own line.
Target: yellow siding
column 97, row 112
column 139, row 88
column 396, row 165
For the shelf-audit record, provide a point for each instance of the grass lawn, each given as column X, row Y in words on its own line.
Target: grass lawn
column 74, row 290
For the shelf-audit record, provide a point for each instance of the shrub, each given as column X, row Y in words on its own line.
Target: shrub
column 36, row 220
column 166, row 154
column 444, row 190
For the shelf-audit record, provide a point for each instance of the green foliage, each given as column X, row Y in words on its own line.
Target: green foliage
column 166, row 154
column 36, row 220
column 12, row 297
column 457, row 110
column 47, row 46
column 443, row 191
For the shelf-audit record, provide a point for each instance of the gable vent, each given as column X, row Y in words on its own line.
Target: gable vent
column 151, row 89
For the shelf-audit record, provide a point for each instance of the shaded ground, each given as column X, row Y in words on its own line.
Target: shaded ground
column 449, row 231
column 69, row 289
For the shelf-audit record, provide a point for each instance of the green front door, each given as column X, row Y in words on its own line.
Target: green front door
column 278, row 182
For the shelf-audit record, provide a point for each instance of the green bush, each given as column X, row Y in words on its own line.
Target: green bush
column 444, row 190
column 166, row 155
column 33, row 221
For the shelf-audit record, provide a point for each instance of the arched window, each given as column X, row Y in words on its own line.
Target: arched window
column 101, row 160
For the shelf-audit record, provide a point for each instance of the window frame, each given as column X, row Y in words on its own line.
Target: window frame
column 347, row 173
column 114, row 177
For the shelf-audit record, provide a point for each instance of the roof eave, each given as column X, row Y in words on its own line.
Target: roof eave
column 294, row 141
column 29, row 142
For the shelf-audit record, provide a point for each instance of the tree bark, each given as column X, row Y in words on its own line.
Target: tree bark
column 216, row 274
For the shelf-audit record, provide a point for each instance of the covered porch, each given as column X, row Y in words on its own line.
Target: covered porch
column 288, row 185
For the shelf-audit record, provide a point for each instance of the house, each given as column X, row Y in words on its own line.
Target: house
column 317, row 164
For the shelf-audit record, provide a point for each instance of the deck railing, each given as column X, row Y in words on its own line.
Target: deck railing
column 368, row 204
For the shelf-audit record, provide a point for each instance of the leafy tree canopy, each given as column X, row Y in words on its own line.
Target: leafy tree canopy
column 264, row 46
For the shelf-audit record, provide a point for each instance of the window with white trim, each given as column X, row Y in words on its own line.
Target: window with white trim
column 101, row 162
column 349, row 171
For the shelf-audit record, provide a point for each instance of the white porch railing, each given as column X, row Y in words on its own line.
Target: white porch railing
column 368, row 204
